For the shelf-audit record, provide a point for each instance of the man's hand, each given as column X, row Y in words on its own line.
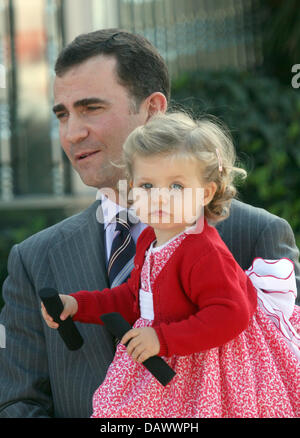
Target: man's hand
column 143, row 344
column 70, row 308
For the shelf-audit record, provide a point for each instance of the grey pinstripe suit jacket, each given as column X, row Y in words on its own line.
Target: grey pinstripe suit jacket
column 39, row 377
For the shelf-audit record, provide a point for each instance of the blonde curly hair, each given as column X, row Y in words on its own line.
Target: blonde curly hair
column 204, row 139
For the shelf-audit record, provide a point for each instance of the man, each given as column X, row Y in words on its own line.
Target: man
column 107, row 83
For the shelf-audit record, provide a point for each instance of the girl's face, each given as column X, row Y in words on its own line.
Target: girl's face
column 168, row 191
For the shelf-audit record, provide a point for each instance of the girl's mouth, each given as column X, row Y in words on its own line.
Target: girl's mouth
column 160, row 213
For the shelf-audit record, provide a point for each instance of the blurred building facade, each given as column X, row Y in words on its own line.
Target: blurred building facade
column 190, row 35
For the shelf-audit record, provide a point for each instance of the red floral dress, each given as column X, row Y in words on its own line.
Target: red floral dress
column 257, row 374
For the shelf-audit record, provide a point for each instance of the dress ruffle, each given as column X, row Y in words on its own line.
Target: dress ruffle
column 256, row 375
column 275, row 283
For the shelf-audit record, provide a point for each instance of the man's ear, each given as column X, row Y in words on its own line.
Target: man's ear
column 156, row 103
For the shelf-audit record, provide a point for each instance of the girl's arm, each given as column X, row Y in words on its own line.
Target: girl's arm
column 88, row 306
column 93, row 304
column 122, row 299
column 226, row 300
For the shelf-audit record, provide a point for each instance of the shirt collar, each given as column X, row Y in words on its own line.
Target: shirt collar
column 110, row 209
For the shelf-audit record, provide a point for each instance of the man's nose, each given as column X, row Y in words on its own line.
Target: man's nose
column 76, row 130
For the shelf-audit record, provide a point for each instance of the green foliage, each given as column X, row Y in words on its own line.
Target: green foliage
column 264, row 119
column 280, row 31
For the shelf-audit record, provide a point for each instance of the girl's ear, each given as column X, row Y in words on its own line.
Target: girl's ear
column 209, row 192
column 156, row 103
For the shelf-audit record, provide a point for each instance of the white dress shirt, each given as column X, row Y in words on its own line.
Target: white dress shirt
column 110, row 209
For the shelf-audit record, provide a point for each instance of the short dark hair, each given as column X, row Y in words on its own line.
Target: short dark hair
column 140, row 67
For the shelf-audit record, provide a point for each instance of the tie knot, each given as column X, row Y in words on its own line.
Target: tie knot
column 124, row 221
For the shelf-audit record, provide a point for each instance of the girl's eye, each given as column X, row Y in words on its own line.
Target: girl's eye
column 176, row 186
column 146, row 186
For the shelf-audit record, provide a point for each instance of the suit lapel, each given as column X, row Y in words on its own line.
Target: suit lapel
column 78, row 263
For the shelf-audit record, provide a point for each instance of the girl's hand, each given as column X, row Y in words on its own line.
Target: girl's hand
column 143, row 344
column 70, row 308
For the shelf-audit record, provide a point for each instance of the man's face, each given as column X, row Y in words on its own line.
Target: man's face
column 96, row 115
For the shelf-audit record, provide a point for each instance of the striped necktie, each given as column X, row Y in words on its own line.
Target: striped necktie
column 121, row 259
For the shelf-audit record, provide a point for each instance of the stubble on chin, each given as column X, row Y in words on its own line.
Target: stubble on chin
column 107, row 178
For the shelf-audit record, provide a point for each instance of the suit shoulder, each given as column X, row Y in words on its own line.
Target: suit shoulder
column 246, row 215
column 61, row 230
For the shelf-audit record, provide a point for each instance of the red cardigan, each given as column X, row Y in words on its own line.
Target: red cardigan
column 201, row 298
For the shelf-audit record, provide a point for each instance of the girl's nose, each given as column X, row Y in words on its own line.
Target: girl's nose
column 164, row 195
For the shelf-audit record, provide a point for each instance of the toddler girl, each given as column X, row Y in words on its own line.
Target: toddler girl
column 224, row 331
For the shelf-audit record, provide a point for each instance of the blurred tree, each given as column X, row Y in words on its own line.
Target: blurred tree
column 280, row 24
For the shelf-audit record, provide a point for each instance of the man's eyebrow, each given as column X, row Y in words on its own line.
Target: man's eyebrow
column 89, row 101
column 82, row 102
column 59, row 107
